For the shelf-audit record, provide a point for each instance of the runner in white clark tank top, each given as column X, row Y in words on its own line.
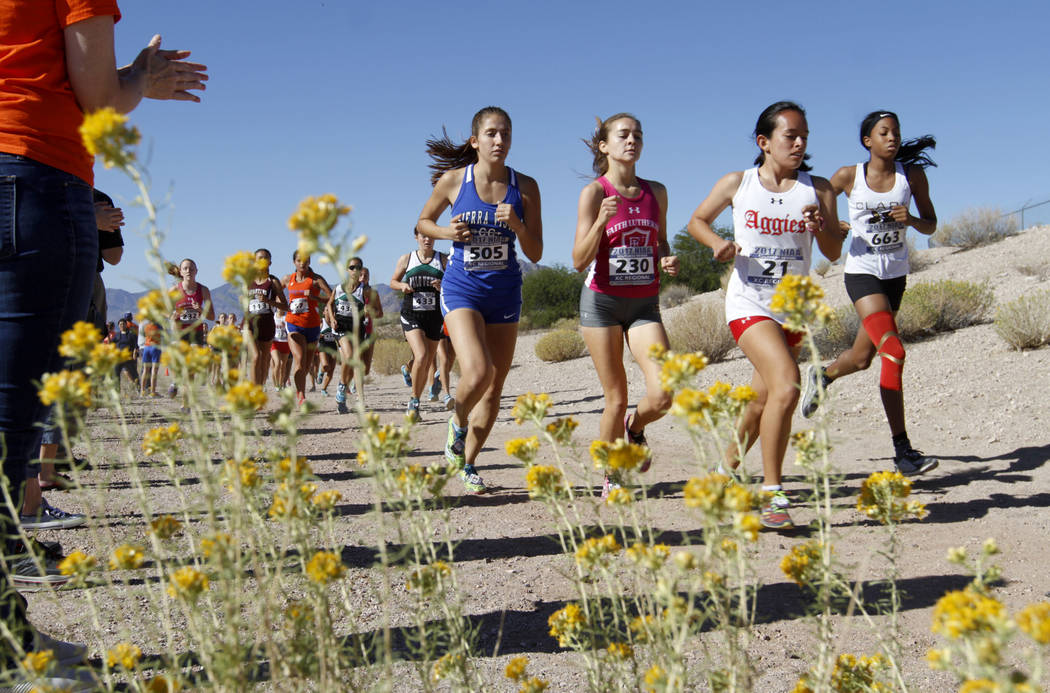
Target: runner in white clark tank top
column 494, row 208
column 621, row 240
column 879, row 194
column 778, row 210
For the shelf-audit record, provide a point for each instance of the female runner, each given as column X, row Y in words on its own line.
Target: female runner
column 263, row 296
column 778, row 209
column 418, row 276
column 280, row 354
column 621, row 236
column 373, row 311
column 345, row 310
column 879, row 193
column 306, row 289
column 492, row 206
column 194, row 304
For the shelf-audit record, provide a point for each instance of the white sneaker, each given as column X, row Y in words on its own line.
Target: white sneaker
column 50, row 517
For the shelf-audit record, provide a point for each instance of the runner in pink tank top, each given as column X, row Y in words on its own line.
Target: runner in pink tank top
column 621, row 239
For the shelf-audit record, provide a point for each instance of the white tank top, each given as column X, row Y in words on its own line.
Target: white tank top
column 280, row 331
column 774, row 241
column 878, row 246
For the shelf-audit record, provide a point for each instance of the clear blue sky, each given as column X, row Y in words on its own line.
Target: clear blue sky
column 338, row 96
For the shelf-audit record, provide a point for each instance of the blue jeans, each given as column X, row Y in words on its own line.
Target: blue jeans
column 48, row 251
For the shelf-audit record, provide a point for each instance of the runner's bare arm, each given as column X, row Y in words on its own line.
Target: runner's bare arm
column 720, row 197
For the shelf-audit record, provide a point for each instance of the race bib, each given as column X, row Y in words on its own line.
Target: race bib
column 344, row 309
column 188, row 316
column 424, row 300
column 631, row 265
column 767, row 266
column 487, row 251
column 280, row 333
column 256, row 307
column 883, row 234
column 299, row 305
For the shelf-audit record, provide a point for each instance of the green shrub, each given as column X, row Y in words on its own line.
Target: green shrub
column 560, row 345
column 975, row 227
column 1024, row 323
column 551, row 293
column 697, row 267
column 701, row 326
column 571, row 324
column 390, row 355
column 839, row 333
column 675, row 295
column 943, row 306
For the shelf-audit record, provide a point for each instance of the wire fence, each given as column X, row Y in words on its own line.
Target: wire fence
column 1026, row 219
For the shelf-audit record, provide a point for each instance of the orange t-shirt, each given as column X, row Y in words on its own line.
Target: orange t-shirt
column 303, row 298
column 39, row 114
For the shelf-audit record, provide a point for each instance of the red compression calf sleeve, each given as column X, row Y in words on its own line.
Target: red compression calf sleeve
column 882, row 330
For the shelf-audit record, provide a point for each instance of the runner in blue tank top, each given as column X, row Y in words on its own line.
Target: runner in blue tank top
column 493, row 207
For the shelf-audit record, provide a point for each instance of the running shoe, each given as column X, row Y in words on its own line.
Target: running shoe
column 608, row 485
column 450, row 402
column 65, row 653
column 455, row 445
column 50, row 517
column 172, row 391
column 320, row 377
column 435, row 388
column 775, row 512
column 406, row 376
column 637, row 439
column 59, row 678
column 471, row 480
column 36, row 566
column 300, row 398
column 913, row 463
column 811, row 390
column 324, row 391
column 412, row 411
column 353, row 386
column 58, row 481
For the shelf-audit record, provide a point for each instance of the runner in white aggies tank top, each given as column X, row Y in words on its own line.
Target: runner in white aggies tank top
column 773, row 239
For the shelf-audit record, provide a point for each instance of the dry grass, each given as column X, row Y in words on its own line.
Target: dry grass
column 701, row 326
column 675, row 295
column 1024, row 323
column 943, row 306
column 839, row 333
column 389, row 355
column 975, row 227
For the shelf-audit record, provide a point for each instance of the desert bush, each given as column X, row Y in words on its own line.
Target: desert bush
column 701, row 326
column 838, row 333
column 675, row 295
column 389, row 327
column 975, row 227
column 572, row 324
column 560, row 345
column 551, row 293
column 943, row 306
column 389, row 355
column 1024, row 323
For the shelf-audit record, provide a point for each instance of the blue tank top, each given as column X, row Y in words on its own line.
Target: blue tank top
column 488, row 260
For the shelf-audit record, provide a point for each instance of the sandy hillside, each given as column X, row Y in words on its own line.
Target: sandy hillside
column 978, row 406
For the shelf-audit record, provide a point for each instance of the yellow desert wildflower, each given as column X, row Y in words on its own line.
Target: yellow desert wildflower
column 38, row 663
column 561, row 429
column 533, row 685
column 161, row 439
column 798, row 298
column 620, row 456
column 244, row 268
column 186, row 584
column 127, row 557
column 963, row 612
column 157, row 305
column 106, row 133
column 446, row 664
column 619, row 496
column 165, row 527
column 595, row 550
column 429, row 578
column 567, row 623
column 314, row 219
column 802, row 564
column 882, row 497
column 246, row 471
column 545, row 481
column 655, row 679
column 225, row 338
column 104, row 358
column 77, row 563
column 326, row 500
column 531, row 407
column 287, row 469
column 217, row 545
column 679, row 370
column 123, row 655
column 78, row 341
column 196, row 359
column 651, row 556
column 524, row 449
column 515, row 670
column 620, row 650
column 245, row 399
column 1034, row 620
column 324, row 567
column 161, row 684
column 66, row 387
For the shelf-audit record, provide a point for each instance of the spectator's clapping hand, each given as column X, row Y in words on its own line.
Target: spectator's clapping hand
column 168, row 74
column 108, row 217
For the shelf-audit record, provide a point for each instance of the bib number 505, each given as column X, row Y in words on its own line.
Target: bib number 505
column 485, row 252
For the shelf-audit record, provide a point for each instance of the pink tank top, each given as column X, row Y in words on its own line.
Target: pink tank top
column 627, row 263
